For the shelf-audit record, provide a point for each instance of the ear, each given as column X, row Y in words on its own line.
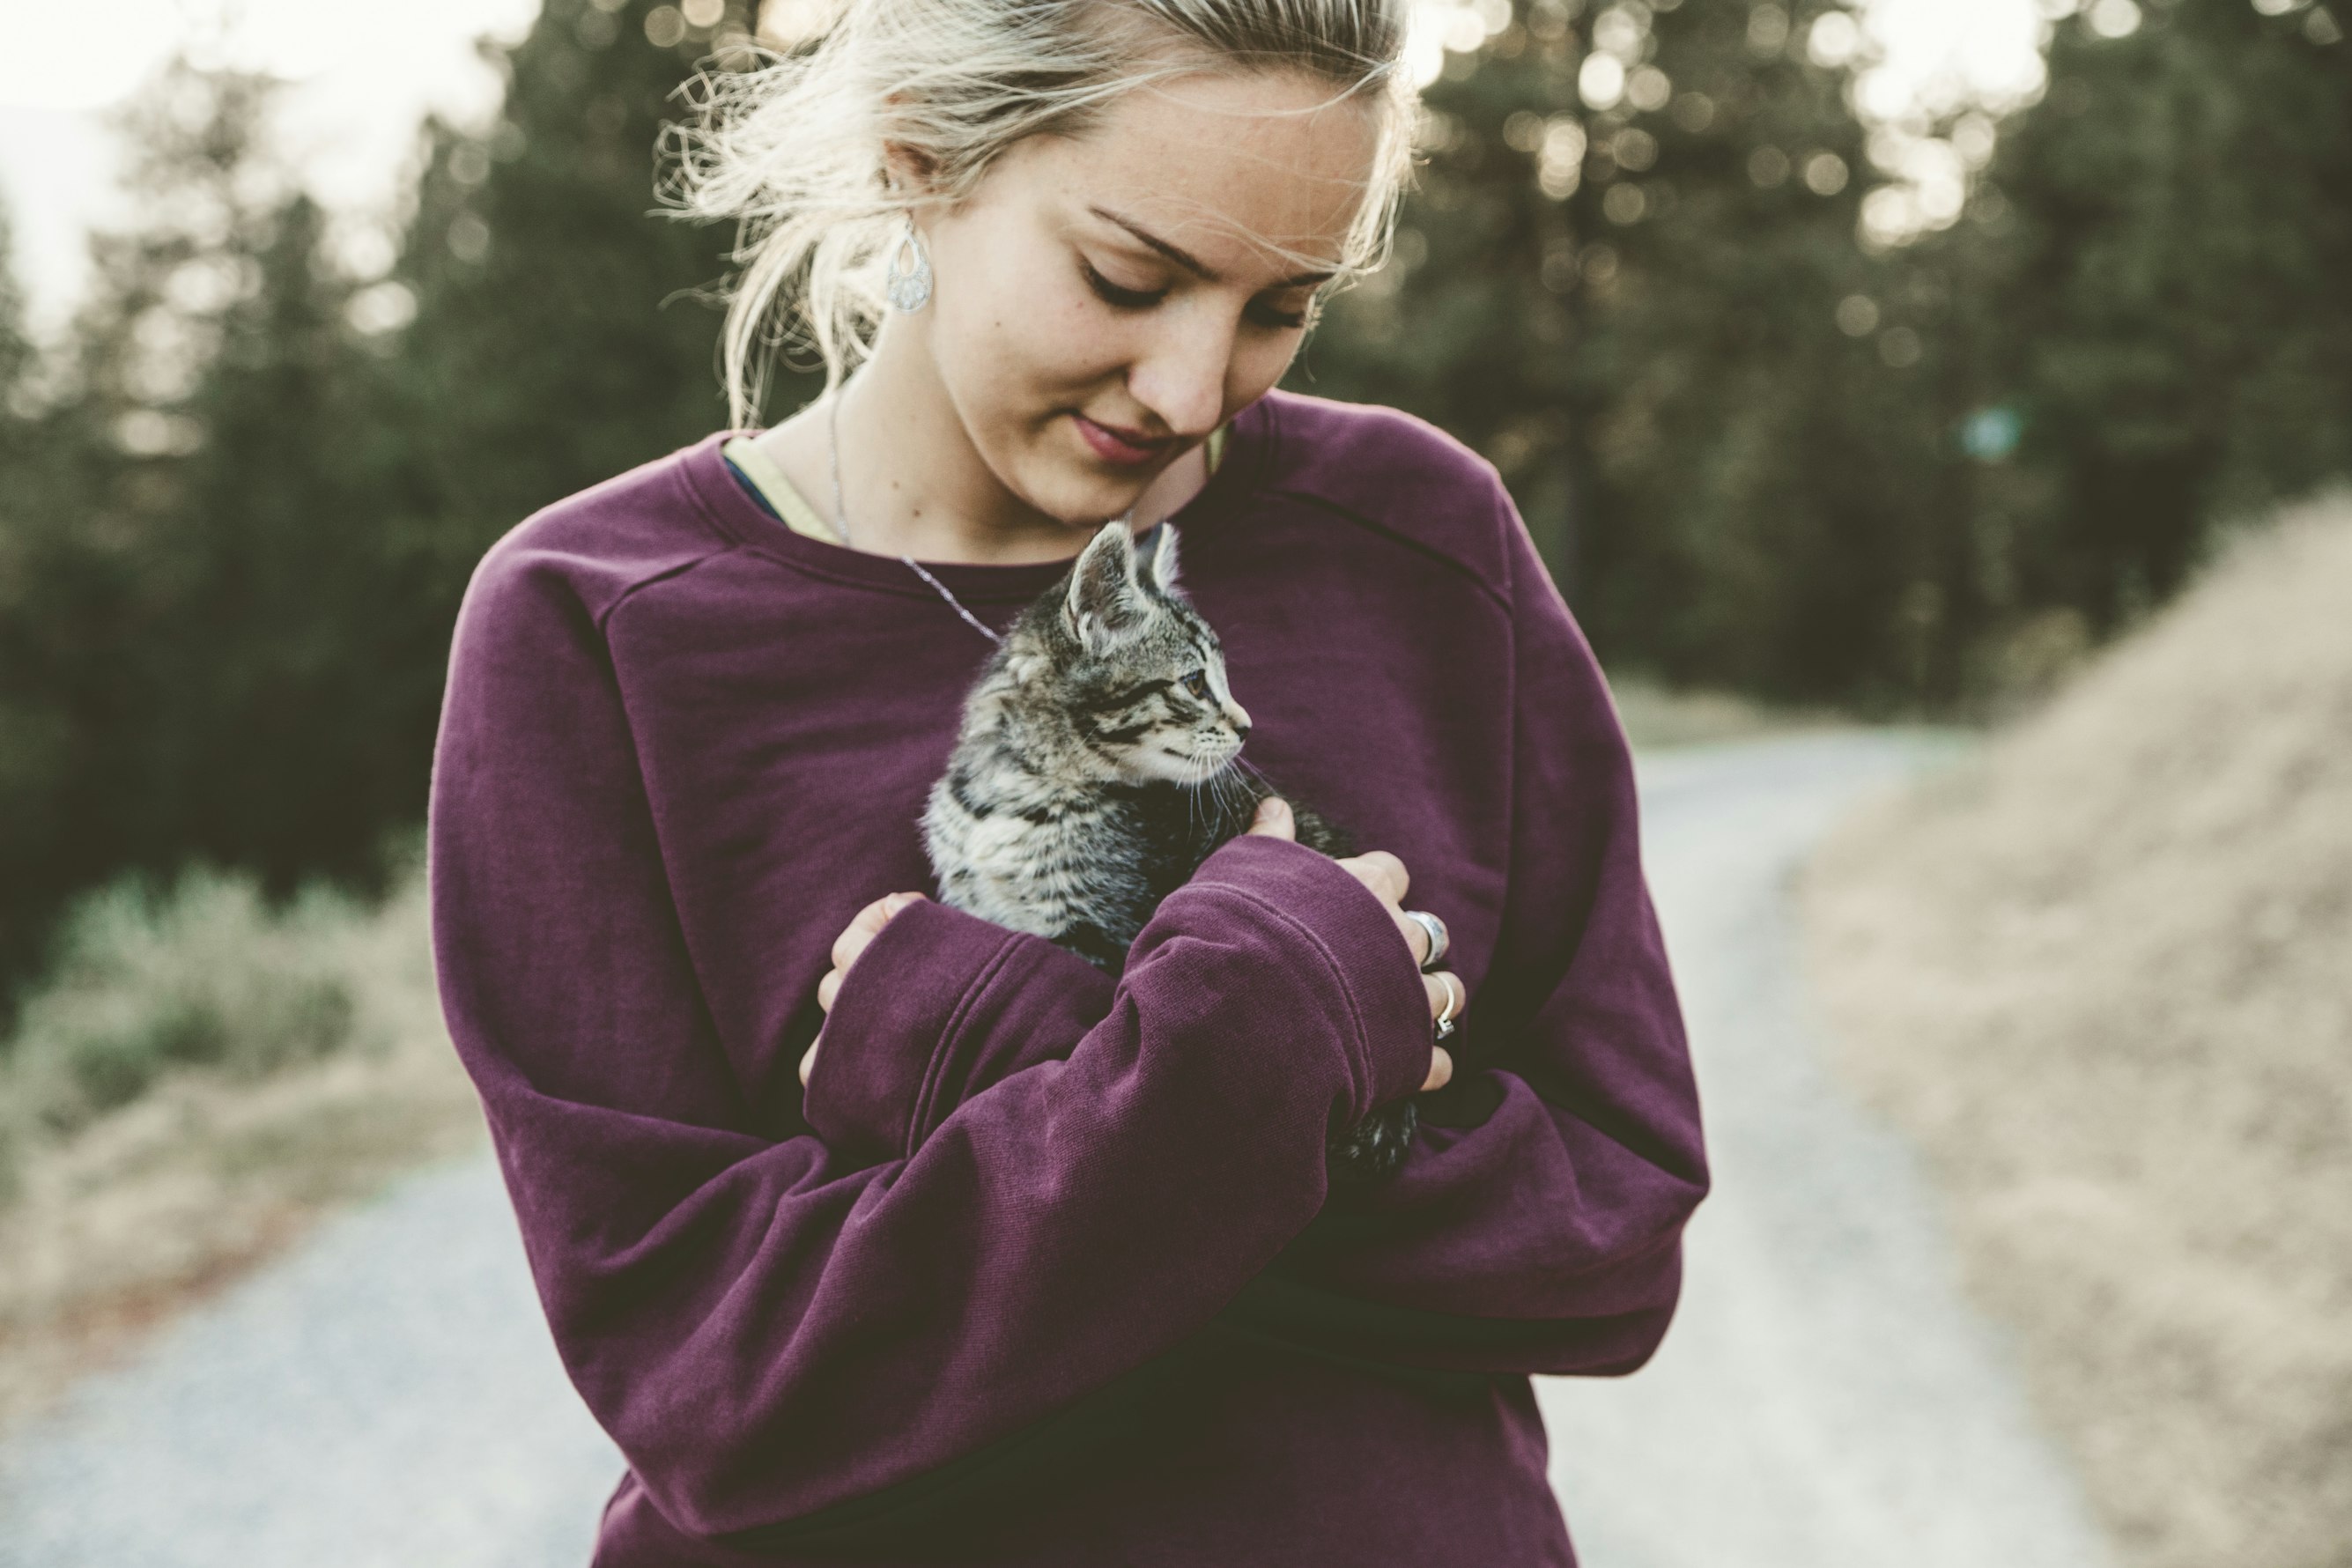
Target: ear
column 1103, row 589
column 906, row 171
column 1161, row 568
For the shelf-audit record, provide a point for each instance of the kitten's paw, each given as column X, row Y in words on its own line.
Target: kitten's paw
column 1374, row 1148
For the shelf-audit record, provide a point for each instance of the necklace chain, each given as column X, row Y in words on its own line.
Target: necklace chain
column 841, row 523
column 841, row 526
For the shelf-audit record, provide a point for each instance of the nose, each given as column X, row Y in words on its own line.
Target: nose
column 1181, row 377
column 1238, row 716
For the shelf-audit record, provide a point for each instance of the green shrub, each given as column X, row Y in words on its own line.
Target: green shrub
column 200, row 972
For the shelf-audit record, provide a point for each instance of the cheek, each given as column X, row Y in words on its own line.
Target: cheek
column 1257, row 364
column 1022, row 334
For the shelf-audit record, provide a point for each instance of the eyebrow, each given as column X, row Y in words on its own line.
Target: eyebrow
column 1194, row 264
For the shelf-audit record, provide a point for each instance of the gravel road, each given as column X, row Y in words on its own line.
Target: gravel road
column 1825, row 1398
column 388, row 1396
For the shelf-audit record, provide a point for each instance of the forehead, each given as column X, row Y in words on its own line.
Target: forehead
column 1250, row 172
column 1172, row 630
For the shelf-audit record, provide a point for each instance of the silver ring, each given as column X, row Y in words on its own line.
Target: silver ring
column 1445, row 1019
column 1438, row 940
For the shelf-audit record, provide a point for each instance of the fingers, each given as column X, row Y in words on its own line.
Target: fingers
column 808, row 1056
column 1441, row 1067
column 862, row 927
column 1416, row 935
column 1447, row 997
column 1275, row 820
column 865, row 925
column 1377, row 869
column 1443, row 998
column 1380, row 872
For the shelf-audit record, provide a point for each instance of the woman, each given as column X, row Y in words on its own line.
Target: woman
column 1038, row 1267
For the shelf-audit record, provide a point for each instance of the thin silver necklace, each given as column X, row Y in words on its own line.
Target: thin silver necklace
column 840, row 523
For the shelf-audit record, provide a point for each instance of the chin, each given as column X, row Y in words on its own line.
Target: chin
column 1078, row 503
column 1083, row 491
column 1162, row 767
column 1097, row 503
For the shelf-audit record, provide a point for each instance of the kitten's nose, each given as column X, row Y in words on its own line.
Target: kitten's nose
column 1238, row 716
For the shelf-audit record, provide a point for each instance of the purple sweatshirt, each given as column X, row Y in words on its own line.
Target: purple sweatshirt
column 1043, row 1269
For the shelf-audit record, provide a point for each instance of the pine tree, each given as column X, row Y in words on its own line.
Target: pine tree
column 16, row 357
column 224, row 623
column 1621, row 279
column 98, row 498
column 564, row 331
column 33, row 746
column 2164, row 293
column 183, row 623
column 271, row 742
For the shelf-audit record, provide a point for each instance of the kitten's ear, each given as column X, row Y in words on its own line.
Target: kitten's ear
column 1162, row 567
column 1103, row 596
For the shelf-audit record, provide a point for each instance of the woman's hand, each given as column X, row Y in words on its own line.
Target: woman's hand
column 863, row 928
column 1385, row 875
column 1380, row 872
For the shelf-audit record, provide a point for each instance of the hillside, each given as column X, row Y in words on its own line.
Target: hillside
column 2103, row 973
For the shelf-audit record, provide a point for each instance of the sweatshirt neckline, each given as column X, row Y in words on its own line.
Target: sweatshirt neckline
column 726, row 503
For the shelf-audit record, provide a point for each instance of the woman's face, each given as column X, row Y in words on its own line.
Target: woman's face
column 1102, row 304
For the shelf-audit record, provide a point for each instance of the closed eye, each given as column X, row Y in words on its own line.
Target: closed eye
column 1269, row 315
column 1112, row 294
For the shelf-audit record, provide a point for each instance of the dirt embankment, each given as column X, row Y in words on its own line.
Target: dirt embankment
column 2103, row 972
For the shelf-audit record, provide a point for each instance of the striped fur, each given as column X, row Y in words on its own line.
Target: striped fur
column 1098, row 766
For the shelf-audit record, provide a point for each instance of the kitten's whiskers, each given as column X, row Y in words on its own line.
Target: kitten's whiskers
column 1231, row 796
column 1191, row 788
column 1240, row 769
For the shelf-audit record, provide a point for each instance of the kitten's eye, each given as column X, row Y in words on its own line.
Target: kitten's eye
column 1197, row 683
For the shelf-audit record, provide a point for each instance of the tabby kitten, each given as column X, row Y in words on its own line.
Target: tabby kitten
column 1096, row 770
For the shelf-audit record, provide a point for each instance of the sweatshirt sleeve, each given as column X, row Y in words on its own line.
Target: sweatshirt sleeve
column 1536, row 1223
column 940, row 1005
column 774, row 1334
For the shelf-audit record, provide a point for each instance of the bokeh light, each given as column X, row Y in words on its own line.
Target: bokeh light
column 2113, row 19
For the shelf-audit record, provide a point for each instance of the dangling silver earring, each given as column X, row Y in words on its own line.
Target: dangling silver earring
column 910, row 289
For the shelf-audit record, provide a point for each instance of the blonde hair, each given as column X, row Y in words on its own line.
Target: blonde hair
column 792, row 149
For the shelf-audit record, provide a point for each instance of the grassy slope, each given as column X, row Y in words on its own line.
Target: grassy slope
column 2104, row 975
column 159, row 1203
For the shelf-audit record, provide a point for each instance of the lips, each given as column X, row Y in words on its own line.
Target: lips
column 1126, row 448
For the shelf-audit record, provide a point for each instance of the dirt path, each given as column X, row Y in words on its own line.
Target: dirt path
column 388, row 1396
